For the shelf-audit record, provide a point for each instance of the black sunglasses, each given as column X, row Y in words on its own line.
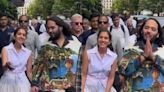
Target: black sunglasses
column 100, row 22
column 21, row 21
column 77, row 23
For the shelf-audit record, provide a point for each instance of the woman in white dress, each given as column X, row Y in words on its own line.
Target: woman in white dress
column 99, row 65
column 16, row 59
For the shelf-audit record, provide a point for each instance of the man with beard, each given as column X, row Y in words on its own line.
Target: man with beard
column 143, row 64
column 56, row 67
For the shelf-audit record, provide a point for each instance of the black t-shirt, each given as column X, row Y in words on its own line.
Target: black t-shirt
column 84, row 36
column 4, row 38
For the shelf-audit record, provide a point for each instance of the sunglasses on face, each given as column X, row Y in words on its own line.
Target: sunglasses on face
column 21, row 21
column 77, row 23
column 102, row 22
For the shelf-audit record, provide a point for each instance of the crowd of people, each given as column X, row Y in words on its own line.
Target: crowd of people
column 100, row 54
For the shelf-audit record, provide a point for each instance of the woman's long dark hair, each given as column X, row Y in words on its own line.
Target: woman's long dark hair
column 110, row 38
column 158, row 40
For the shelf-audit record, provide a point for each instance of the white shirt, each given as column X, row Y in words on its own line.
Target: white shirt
column 44, row 37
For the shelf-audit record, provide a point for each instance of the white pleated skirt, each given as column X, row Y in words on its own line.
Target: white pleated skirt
column 14, row 82
column 91, row 89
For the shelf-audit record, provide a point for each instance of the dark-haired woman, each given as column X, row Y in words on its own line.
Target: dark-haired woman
column 16, row 59
column 99, row 65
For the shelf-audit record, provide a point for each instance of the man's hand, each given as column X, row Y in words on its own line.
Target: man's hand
column 67, row 85
column 148, row 50
column 34, row 89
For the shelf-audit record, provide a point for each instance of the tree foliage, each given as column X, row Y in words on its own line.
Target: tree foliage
column 64, row 7
column 34, row 9
column 8, row 8
column 155, row 6
column 91, row 6
column 40, row 8
column 135, row 6
column 118, row 6
column 128, row 5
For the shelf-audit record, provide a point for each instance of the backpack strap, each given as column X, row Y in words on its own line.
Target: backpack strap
column 111, row 27
column 123, row 29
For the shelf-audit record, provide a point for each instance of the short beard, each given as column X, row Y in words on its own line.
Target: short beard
column 55, row 36
column 152, row 39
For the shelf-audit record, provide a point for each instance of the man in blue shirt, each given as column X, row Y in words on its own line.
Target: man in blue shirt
column 5, row 33
column 94, row 28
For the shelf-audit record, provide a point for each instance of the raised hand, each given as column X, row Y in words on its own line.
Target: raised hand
column 148, row 50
